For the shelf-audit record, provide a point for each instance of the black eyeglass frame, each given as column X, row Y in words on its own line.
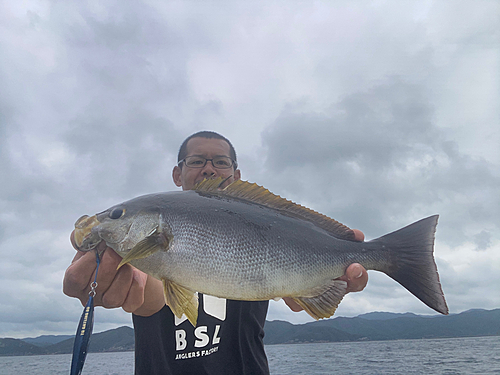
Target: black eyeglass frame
column 234, row 163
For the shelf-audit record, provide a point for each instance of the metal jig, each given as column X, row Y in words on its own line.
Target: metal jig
column 84, row 330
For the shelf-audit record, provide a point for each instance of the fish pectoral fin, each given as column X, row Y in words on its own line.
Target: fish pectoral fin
column 325, row 304
column 181, row 300
column 156, row 241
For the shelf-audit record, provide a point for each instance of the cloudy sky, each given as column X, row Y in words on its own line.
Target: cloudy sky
column 375, row 113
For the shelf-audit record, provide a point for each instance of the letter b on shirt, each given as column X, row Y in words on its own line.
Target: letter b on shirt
column 180, row 339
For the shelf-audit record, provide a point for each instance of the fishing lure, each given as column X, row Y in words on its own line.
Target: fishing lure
column 84, row 330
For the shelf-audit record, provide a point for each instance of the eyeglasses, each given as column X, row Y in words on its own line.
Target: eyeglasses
column 219, row 162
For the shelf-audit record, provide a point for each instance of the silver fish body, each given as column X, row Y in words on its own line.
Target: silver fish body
column 245, row 243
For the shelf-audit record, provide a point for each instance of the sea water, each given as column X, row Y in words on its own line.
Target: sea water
column 479, row 355
column 440, row 356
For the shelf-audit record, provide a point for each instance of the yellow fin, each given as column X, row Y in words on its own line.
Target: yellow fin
column 325, row 304
column 251, row 192
column 210, row 185
column 181, row 300
column 154, row 242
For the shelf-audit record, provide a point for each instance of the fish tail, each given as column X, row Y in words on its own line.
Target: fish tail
column 411, row 261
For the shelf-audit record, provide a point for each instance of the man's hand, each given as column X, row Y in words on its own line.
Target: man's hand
column 127, row 287
column 355, row 275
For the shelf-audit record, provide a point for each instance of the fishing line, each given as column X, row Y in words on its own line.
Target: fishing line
column 84, row 330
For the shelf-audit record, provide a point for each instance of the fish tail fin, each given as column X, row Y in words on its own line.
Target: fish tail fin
column 412, row 262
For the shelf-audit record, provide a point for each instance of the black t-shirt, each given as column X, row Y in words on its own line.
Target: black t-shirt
column 228, row 339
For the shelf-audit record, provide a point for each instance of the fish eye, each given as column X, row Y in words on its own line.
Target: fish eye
column 116, row 213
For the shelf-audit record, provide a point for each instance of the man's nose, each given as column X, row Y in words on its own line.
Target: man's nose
column 208, row 169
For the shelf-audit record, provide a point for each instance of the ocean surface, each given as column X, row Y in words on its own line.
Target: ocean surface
column 479, row 355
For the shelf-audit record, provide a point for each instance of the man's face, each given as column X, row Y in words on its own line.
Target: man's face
column 209, row 148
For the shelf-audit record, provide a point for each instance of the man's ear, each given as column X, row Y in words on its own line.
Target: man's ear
column 237, row 174
column 176, row 176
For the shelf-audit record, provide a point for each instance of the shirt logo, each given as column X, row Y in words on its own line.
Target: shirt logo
column 205, row 340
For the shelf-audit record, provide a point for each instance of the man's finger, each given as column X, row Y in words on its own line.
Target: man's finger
column 358, row 235
column 78, row 275
column 113, row 284
column 135, row 297
column 107, row 269
column 116, row 294
column 357, row 277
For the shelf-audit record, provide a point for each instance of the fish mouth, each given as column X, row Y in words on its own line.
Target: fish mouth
column 85, row 240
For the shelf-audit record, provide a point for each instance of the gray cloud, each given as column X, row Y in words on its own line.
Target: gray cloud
column 377, row 157
column 376, row 114
column 483, row 240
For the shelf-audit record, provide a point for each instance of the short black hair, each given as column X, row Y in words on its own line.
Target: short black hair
column 206, row 134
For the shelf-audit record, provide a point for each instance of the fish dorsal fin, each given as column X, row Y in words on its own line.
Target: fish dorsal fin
column 253, row 193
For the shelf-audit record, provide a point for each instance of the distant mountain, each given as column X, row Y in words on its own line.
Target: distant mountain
column 278, row 332
column 46, row 340
column 372, row 326
column 401, row 326
column 379, row 315
column 19, row 347
column 115, row 340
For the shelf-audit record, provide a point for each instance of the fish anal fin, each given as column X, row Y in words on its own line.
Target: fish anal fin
column 253, row 193
column 181, row 300
column 325, row 304
column 154, row 242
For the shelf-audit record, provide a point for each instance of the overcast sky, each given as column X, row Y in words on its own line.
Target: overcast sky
column 375, row 113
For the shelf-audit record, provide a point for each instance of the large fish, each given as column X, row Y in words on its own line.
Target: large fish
column 245, row 243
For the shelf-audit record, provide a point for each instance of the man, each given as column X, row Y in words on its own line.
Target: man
column 228, row 336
